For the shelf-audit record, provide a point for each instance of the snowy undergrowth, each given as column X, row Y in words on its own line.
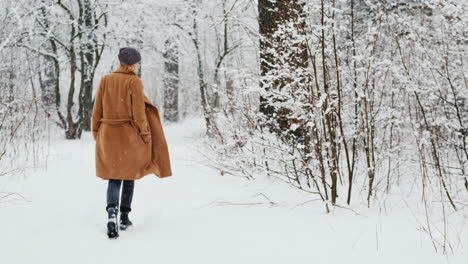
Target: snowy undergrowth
column 401, row 197
column 199, row 216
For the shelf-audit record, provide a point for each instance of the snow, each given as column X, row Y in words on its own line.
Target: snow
column 196, row 216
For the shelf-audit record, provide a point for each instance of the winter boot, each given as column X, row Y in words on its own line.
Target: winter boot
column 124, row 221
column 112, row 228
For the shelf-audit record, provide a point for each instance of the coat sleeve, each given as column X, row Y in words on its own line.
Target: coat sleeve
column 138, row 109
column 97, row 109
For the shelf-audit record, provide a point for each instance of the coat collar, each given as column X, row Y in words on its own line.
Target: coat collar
column 124, row 69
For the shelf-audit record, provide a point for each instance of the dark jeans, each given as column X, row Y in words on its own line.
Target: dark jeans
column 113, row 193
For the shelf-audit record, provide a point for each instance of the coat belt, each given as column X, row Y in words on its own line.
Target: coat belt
column 118, row 122
column 115, row 121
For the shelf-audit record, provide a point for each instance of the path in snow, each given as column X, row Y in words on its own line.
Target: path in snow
column 184, row 219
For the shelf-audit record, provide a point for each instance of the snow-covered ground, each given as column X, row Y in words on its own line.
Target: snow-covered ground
column 196, row 216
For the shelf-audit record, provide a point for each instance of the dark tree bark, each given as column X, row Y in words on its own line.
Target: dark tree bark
column 207, row 113
column 87, row 36
column 90, row 53
column 272, row 14
column 268, row 20
column 47, row 75
column 171, row 81
column 47, row 80
column 50, row 81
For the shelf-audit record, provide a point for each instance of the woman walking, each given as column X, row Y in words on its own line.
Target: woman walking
column 130, row 141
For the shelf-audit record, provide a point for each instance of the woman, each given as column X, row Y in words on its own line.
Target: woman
column 130, row 141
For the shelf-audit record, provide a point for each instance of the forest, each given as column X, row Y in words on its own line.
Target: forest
column 349, row 102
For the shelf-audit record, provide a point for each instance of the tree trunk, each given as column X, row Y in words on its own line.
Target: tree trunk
column 73, row 129
column 273, row 15
column 268, row 21
column 201, row 75
column 87, row 52
column 171, row 81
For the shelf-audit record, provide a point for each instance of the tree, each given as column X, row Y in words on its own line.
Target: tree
column 171, row 81
column 279, row 21
column 91, row 49
column 82, row 42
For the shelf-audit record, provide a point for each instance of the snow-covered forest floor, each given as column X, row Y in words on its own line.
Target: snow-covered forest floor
column 198, row 216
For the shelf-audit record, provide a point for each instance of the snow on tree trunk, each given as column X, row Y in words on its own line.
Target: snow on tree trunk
column 171, row 81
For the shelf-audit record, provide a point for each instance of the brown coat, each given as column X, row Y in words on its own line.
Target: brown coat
column 130, row 140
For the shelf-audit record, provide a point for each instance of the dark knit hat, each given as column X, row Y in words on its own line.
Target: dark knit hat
column 129, row 56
